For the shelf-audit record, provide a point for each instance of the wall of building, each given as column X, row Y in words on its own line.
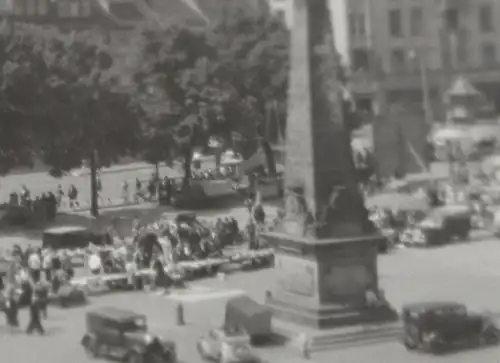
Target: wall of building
column 393, row 41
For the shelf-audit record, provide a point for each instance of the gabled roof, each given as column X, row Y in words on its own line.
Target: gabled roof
column 198, row 12
column 123, row 12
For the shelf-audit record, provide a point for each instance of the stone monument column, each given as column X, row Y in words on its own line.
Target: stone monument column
column 326, row 247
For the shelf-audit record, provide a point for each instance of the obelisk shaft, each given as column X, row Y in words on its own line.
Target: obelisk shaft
column 322, row 197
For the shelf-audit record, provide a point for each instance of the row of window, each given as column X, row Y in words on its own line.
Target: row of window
column 65, row 8
column 402, row 61
column 451, row 18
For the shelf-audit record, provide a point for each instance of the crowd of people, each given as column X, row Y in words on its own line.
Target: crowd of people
column 29, row 279
column 43, row 206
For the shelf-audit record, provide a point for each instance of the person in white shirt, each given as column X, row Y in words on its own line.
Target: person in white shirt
column 47, row 258
column 35, row 266
column 95, row 264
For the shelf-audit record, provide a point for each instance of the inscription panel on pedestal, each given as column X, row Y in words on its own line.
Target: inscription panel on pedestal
column 348, row 280
column 296, row 276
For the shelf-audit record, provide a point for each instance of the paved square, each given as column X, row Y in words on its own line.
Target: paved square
column 468, row 272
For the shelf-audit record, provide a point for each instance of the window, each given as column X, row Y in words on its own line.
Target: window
column 462, row 56
column 361, row 24
column 452, row 19
column 360, row 60
column 85, row 8
column 398, row 60
column 486, row 18
column 30, row 7
column 489, row 54
column 395, row 25
column 357, row 24
column 18, row 7
column 63, row 9
column 74, row 9
column 43, row 7
column 352, row 24
column 416, row 21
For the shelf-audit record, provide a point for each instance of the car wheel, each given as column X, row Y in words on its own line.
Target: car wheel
column 490, row 338
column 91, row 347
column 199, row 348
column 410, row 344
column 464, row 235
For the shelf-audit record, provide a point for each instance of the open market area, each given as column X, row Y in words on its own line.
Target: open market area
column 188, row 181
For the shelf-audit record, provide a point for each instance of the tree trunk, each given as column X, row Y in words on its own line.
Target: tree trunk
column 271, row 162
column 94, row 201
column 157, row 169
column 188, row 159
column 218, row 156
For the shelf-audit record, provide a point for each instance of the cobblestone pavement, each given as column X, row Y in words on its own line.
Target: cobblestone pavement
column 469, row 273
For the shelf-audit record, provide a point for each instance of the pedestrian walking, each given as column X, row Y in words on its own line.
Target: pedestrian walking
column 305, row 346
column 47, row 263
column 73, row 197
column 125, row 195
column 35, row 323
column 41, row 290
column 34, row 265
column 59, row 195
column 138, row 191
column 11, row 307
column 99, row 188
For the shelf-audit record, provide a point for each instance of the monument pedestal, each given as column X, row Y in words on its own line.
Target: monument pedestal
column 322, row 283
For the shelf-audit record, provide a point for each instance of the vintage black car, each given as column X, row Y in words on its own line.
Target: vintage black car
column 123, row 335
column 444, row 224
column 439, row 326
column 72, row 237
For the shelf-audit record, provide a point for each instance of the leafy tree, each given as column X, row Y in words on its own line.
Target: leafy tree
column 253, row 60
column 86, row 119
column 252, row 64
column 173, row 73
column 22, row 77
column 226, row 81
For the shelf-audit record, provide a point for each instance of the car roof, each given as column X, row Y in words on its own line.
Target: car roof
column 66, row 229
column 429, row 305
column 116, row 314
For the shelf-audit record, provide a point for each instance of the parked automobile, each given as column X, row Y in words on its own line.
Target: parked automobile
column 123, row 335
column 443, row 224
column 229, row 344
column 250, row 316
column 439, row 326
column 73, row 237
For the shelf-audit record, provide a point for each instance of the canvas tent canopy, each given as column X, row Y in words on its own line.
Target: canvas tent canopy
column 462, row 87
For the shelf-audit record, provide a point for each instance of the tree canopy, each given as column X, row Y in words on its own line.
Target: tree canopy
column 232, row 76
column 58, row 100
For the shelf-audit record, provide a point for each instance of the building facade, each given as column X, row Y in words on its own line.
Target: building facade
column 117, row 22
column 395, row 45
